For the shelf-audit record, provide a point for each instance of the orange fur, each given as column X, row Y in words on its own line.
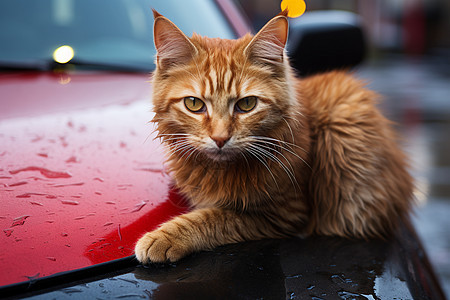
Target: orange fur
column 314, row 156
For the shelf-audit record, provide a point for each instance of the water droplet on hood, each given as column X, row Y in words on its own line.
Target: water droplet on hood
column 45, row 172
column 70, row 202
column 19, row 220
column 17, row 183
column 8, row 231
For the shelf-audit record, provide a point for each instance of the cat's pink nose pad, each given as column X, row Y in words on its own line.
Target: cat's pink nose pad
column 220, row 142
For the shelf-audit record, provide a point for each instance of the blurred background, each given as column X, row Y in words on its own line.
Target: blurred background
column 408, row 62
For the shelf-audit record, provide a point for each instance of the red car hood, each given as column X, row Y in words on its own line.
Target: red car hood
column 81, row 178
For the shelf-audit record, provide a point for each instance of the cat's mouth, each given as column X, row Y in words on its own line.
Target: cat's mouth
column 220, row 155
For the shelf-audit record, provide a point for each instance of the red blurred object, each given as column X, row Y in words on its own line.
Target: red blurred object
column 81, row 177
column 414, row 28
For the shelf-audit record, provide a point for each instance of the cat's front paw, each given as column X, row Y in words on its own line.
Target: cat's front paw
column 158, row 246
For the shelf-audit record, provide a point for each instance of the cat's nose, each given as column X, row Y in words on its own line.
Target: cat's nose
column 220, row 141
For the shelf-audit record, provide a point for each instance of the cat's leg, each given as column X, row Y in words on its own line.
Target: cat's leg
column 201, row 229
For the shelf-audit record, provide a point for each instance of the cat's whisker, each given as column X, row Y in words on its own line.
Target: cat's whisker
column 284, row 148
column 245, row 158
column 279, row 141
column 194, row 150
column 270, row 141
column 177, row 148
column 260, row 159
column 271, row 157
column 173, row 134
column 290, row 129
column 187, row 149
column 276, row 160
column 176, row 139
column 279, row 153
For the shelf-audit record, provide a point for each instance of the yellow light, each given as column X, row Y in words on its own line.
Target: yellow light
column 63, row 54
column 296, row 8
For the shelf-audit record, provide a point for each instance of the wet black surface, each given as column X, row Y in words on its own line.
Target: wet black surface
column 314, row 268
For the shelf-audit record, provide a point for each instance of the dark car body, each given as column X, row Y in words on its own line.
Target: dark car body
column 82, row 178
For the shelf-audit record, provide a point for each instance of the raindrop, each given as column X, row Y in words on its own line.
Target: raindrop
column 28, row 195
column 70, row 202
column 107, row 224
column 17, row 183
column 51, row 258
column 99, row 179
column 131, row 296
column 110, row 202
column 311, row 287
column 119, row 233
column 70, row 184
column 123, row 145
column 33, row 277
column 45, row 172
column 139, row 206
column 337, row 279
column 72, row 159
column 19, row 220
column 104, row 245
column 183, row 277
column 37, row 139
column 36, row 203
column 42, row 155
column 50, row 221
column 130, row 281
column 64, row 234
column 63, row 141
column 98, row 193
column 347, row 295
column 71, row 290
column 8, row 232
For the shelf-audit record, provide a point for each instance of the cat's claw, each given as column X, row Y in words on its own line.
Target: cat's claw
column 158, row 247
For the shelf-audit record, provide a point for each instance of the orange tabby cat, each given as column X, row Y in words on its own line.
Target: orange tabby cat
column 262, row 154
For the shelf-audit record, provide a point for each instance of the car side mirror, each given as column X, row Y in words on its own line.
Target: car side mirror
column 321, row 41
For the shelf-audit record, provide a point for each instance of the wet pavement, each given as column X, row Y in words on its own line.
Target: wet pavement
column 417, row 97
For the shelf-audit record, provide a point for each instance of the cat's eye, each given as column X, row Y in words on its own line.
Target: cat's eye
column 246, row 104
column 194, row 104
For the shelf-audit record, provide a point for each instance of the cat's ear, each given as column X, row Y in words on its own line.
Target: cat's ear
column 267, row 46
column 172, row 45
